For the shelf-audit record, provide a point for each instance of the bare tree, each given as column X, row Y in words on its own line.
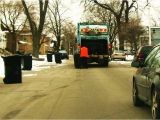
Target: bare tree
column 97, row 14
column 152, row 12
column 36, row 28
column 69, row 30
column 55, row 16
column 120, row 10
column 12, row 20
column 134, row 30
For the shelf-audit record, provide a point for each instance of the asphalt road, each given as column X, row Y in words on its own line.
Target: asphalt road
column 67, row 93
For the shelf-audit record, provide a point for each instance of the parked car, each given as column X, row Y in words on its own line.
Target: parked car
column 129, row 55
column 129, row 52
column 64, row 54
column 146, row 82
column 143, row 52
column 118, row 54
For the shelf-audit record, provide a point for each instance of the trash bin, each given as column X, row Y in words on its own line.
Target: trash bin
column 13, row 73
column 49, row 57
column 26, row 62
column 58, row 58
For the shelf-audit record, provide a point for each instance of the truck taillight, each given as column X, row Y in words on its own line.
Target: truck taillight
column 102, row 30
column 84, row 30
column 141, row 56
column 78, row 46
column 110, row 46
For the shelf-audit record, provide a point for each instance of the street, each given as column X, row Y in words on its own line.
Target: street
column 64, row 92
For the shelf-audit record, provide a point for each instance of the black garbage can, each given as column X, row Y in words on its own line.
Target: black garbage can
column 13, row 73
column 49, row 57
column 58, row 58
column 26, row 62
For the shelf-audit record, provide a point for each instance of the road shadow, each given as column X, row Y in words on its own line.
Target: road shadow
column 95, row 65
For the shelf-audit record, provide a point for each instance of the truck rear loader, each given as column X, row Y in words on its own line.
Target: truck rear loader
column 96, row 38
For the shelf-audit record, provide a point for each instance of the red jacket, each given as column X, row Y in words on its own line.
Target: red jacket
column 84, row 52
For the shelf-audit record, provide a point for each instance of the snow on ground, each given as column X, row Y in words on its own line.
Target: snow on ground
column 39, row 65
column 129, row 57
column 1, row 67
column 128, row 61
column 36, row 65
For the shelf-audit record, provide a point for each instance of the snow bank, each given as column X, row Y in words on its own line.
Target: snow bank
column 1, row 67
column 36, row 65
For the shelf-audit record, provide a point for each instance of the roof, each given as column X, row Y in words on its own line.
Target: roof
column 23, row 42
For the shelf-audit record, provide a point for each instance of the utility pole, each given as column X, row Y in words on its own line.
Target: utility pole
column 149, row 25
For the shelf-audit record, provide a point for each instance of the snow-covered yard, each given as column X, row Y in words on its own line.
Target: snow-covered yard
column 129, row 57
column 39, row 65
column 36, row 64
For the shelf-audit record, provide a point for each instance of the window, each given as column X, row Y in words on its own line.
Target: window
column 151, row 57
column 24, row 39
column 156, row 61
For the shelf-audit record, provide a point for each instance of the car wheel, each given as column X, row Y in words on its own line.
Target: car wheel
column 155, row 105
column 136, row 100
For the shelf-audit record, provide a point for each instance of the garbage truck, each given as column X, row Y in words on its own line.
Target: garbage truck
column 96, row 38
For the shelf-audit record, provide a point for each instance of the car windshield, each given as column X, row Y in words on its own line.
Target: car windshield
column 146, row 49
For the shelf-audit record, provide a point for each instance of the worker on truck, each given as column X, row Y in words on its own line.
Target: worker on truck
column 84, row 57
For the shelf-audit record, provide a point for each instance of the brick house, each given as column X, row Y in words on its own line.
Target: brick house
column 24, row 43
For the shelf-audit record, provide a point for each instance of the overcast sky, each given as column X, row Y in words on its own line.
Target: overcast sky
column 75, row 10
column 149, row 13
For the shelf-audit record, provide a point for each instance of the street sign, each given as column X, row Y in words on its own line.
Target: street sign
column 154, row 35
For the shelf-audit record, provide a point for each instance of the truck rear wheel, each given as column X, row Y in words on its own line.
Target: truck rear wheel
column 104, row 62
column 77, row 63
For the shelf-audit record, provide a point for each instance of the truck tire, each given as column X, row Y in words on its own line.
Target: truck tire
column 105, row 62
column 77, row 63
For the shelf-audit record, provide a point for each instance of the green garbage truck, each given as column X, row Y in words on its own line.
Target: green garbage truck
column 96, row 38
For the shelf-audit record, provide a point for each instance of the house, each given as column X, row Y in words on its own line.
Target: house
column 2, row 39
column 24, row 43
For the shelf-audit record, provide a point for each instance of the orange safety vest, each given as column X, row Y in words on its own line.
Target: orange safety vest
column 84, row 52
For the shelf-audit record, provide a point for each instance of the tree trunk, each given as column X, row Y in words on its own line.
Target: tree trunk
column 134, row 43
column 58, row 42
column 11, row 42
column 36, row 30
column 121, row 42
column 36, row 45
